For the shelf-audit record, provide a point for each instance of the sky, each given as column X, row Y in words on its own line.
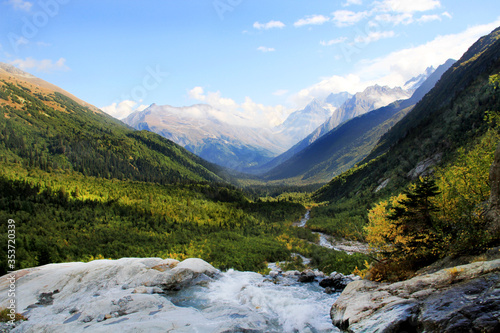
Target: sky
column 253, row 60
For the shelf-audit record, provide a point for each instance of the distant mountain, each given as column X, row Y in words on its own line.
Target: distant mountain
column 347, row 144
column 44, row 127
column 371, row 98
column 336, row 100
column 198, row 130
column 450, row 116
column 414, row 83
column 302, row 122
column 241, row 148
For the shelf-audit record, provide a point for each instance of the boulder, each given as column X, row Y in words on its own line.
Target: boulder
column 307, row 276
column 335, row 281
column 107, row 295
column 291, row 273
column 460, row 299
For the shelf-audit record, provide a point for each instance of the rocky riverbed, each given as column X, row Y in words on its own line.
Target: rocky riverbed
column 157, row 295
column 458, row 299
column 332, row 243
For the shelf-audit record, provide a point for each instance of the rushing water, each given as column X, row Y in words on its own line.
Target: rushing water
column 249, row 302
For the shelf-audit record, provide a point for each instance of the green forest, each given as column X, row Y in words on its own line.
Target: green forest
column 82, row 186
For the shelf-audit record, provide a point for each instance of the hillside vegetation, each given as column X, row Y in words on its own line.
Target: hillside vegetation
column 457, row 123
column 81, row 185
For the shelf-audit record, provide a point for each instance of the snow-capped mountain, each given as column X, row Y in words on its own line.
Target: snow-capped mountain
column 207, row 132
column 199, row 130
column 371, row 98
column 415, row 82
column 302, row 122
column 336, row 100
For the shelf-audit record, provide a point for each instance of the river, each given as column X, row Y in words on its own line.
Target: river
column 331, row 243
column 250, row 302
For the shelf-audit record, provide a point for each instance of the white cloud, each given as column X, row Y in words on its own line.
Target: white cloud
column 45, row 65
column 352, row 2
column 197, row 93
column 268, row 25
column 334, row 84
column 247, row 113
column 374, row 36
column 311, row 20
column 333, row 41
column 123, row 109
column 344, row 18
column 446, row 14
column 429, row 18
column 20, row 4
column 397, row 67
column 280, row 92
column 266, row 49
column 395, row 19
column 407, row 6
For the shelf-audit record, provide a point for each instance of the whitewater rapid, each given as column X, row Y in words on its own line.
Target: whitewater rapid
column 251, row 302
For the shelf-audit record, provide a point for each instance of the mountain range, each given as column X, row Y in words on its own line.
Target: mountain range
column 256, row 150
column 370, row 99
column 348, row 143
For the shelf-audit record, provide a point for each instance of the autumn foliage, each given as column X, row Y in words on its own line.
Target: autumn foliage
column 438, row 216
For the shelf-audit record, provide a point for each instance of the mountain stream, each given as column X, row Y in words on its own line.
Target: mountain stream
column 250, row 302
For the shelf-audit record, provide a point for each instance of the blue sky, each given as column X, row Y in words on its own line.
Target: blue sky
column 252, row 58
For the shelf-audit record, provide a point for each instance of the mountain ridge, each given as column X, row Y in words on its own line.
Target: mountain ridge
column 449, row 116
column 347, row 144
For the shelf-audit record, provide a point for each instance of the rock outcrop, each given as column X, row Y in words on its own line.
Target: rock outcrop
column 106, row 295
column 459, row 299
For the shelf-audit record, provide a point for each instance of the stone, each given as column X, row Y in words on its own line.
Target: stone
column 449, row 300
column 273, row 274
column 337, row 282
column 307, row 276
column 88, row 297
column 291, row 273
column 424, row 168
column 140, row 290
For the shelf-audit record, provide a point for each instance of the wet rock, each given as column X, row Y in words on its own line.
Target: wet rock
column 329, row 290
column 307, row 276
column 273, row 274
column 450, row 300
column 85, row 297
column 291, row 273
column 336, row 281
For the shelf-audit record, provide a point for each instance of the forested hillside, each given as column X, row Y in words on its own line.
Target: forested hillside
column 452, row 115
column 82, row 185
column 457, row 117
